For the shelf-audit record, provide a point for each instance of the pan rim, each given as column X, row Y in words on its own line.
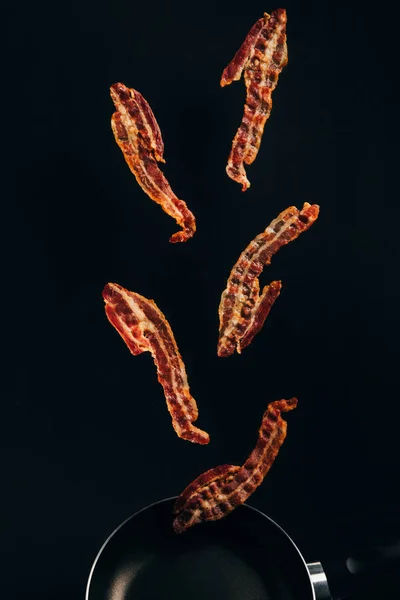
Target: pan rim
column 169, row 499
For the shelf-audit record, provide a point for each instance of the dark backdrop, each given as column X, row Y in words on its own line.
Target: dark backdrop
column 87, row 439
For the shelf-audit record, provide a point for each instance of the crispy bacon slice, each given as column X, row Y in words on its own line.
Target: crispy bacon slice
column 220, row 473
column 219, row 491
column 242, row 311
column 143, row 327
column 262, row 56
column 137, row 133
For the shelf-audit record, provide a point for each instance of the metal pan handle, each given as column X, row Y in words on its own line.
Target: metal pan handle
column 362, row 571
column 319, row 581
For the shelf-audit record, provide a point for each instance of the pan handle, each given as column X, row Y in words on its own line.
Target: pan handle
column 319, row 581
column 363, row 570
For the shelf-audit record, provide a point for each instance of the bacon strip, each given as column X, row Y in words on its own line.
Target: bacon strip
column 137, row 133
column 143, row 327
column 221, row 473
column 262, row 56
column 242, row 311
column 217, row 495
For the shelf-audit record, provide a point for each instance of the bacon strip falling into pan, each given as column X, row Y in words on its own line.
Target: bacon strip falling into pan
column 219, row 491
column 137, row 133
column 262, row 56
column 143, row 327
column 220, row 473
column 242, row 310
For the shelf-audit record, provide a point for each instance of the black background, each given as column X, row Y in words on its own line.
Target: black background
column 86, row 436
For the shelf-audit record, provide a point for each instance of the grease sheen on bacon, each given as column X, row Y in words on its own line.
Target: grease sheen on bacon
column 219, row 491
column 261, row 57
column 137, row 133
column 144, row 328
column 242, row 310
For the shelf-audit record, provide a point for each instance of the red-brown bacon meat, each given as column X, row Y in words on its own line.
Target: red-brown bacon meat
column 143, row 327
column 219, row 491
column 242, row 310
column 138, row 135
column 262, row 56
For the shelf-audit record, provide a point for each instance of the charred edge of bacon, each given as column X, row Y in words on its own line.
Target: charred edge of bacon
column 143, row 327
column 215, row 497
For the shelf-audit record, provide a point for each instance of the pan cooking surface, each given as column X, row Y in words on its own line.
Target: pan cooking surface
column 244, row 557
column 210, row 571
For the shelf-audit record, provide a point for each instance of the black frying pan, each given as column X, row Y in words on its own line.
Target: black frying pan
column 245, row 556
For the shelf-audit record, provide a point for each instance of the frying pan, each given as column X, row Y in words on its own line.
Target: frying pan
column 246, row 556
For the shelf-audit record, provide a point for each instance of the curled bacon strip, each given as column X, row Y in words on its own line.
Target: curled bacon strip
column 143, row 327
column 137, row 133
column 219, row 491
column 242, row 311
column 262, row 56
